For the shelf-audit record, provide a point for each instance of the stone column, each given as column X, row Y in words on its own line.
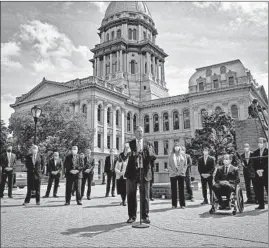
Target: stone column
column 126, row 62
column 163, row 79
column 89, row 111
column 110, row 71
column 94, row 67
column 117, row 59
column 122, row 127
column 158, row 69
column 105, row 125
column 225, row 107
column 121, row 64
column 77, row 106
column 95, row 124
column 241, row 109
column 154, row 66
column 98, row 67
column 160, row 123
column 104, row 66
column 148, row 62
column 114, row 126
column 195, row 118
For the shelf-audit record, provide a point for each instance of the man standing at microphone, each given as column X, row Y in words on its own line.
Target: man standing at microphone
column 141, row 156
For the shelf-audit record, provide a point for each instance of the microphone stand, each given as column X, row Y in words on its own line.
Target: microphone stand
column 140, row 224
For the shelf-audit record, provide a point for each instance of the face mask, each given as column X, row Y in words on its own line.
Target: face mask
column 74, row 152
column 260, row 145
column 176, row 148
column 226, row 162
column 205, row 153
column 9, row 150
column 34, row 151
column 56, row 157
column 246, row 149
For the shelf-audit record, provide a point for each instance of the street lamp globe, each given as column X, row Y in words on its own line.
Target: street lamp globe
column 36, row 111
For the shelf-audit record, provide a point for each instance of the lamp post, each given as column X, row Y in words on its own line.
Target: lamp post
column 36, row 112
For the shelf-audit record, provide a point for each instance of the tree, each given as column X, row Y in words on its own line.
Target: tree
column 57, row 128
column 218, row 133
column 4, row 135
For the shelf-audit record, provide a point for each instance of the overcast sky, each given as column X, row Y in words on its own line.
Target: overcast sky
column 52, row 40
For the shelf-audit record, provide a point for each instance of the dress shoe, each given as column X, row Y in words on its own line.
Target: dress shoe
column 38, row 203
column 183, row 207
column 151, row 199
column 79, row 203
column 67, row 203
column 106, row 195
column 45, row 196
column 88, row 198
column 113, row 195
column 260, row 207
column 55, row 196
column 192, row 199
column 123, row 203
column 25, row 203
column 131, row 220
column 205, row 202
column 10, row 196
column 174, row 206
column 146, row 221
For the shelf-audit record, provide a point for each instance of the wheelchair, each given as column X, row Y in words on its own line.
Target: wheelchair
column 236, row 202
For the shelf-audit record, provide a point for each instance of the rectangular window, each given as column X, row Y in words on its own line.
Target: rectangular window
column 156, row 147
column 117, row 143
column 216, row 84
column 99, row 140
column 165, row 166
column 108, row 141
column 165, row 147
column 231, row 80
column 201, row 86
column 156, row 167
column 145, row 87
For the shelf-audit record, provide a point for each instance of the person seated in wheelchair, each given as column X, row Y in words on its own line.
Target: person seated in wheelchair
column 226, row 179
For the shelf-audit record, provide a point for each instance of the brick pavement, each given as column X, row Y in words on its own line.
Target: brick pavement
column 101, row 222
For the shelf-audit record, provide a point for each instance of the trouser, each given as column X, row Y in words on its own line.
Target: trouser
column 188, row 182
column 261, row 183
column 70, row 179
column 121, row 188
column 177, row 183
column 131, row 186
column 56, row 179
column 87, row 177
column 111, row 176
column 248, row 180
column 150, row 189
column 33, row 184
column 223, row 190
column 4, row 177
column 204, row 182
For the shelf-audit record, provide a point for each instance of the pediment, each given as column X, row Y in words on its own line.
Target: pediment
column 45, row 89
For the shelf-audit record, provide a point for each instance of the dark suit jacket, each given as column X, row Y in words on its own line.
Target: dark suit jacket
column 108, row 163
column 69, row 165
column 232, row 176
column 261, row 162
column 148, row 157
column 207, row 168
column 89, row 164
column 4, row 161
column 34, row 170
column 57, row 167
column 248, row 166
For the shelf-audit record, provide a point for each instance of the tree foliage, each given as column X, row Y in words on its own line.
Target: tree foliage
column 57, row 128
column 218, row 134
column 4, row 136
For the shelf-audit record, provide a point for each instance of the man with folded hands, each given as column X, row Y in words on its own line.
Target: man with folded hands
column 54, row 169
column 206, row 167
column 73, row 174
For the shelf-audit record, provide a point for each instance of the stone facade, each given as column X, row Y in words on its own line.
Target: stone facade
column 128, row 88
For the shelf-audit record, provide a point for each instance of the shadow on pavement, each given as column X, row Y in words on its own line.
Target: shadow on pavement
column 91, row 231
column 103, row 206
column 218, row 214
column 158, row 210
column 46, row 206
column 10, row 206
column 253, row 212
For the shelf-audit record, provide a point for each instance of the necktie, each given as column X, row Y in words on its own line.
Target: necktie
column 247, row 157
column 9, row 159
column 226, row 170
column 34, row 159
column 112, row 163
column 139, row 145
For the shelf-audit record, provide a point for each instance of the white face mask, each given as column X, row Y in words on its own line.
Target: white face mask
column 246, row 149
column 35, row 151
column 226, row 162
column 205, row 153
column 74, row 152
column 260, row 145
column 176, row 148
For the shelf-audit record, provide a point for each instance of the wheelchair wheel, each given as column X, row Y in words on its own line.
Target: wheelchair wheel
column 239, row 199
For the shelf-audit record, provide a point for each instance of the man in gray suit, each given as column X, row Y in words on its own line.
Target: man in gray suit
column 141, row 157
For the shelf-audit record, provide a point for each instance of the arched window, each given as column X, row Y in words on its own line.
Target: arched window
column 107, row 37
column 149, row 36
column 203, row 112
column 99, row 111
column 99, row 169
column 112, row 35
column 128, row 122
column 107, row 69
column 201, row 86
column 156, row 123
column 151, row 68
column 118, row 33
column 84, row 109
column 234, row 111
column 175, row 120
column 108, row 115
column 134, row 34
column 117, row 117
column 134, row 122
column 133, row 67
column 165, row 122
column 130, row 34
column 186, row 119
column 218, row 110
column 114, row 67
column 146, row 67
column 144, row 35
column 146, row 124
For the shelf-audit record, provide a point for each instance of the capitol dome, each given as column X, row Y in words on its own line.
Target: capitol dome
column 118, row 7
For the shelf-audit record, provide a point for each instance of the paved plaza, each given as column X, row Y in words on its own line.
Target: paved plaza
column 101, row 222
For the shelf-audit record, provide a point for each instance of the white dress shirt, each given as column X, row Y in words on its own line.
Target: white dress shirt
column 9, row 158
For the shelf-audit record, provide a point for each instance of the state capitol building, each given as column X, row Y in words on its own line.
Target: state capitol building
column 128, row 88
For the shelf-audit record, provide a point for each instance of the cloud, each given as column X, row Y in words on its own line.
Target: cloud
column 102, row 6
column 9, row 52
column 203, row 5
column 6, row 111
column 261, row 79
